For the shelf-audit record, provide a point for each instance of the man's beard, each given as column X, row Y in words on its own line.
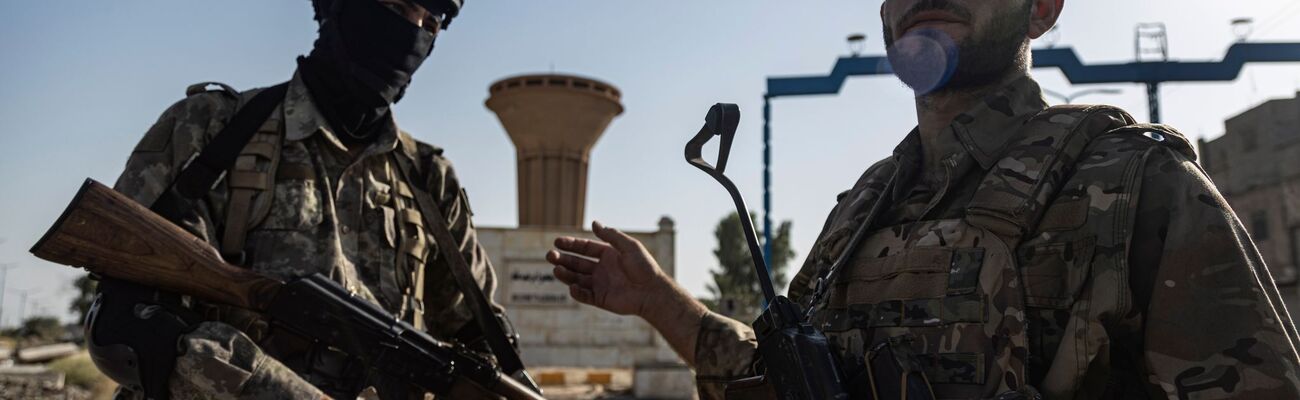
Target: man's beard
column 929, row 61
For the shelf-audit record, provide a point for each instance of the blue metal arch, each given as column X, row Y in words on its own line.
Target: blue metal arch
column 1069, row 63
column 1150, row 73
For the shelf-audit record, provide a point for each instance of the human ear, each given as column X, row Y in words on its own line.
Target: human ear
column 1043, row 15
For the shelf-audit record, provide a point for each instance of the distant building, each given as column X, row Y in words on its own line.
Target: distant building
column 1256, row 164
column 554, row 122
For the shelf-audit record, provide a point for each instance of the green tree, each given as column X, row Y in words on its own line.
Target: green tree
column 735, row 291
column 42, row 328
column 85, row 296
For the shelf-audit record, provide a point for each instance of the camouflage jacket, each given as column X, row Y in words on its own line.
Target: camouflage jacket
column 1137, row 281
column 311, row 206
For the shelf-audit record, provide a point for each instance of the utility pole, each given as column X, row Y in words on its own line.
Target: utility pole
column 4, row 281
column 22, row 305
column 1152, row 73
column 1151, row 41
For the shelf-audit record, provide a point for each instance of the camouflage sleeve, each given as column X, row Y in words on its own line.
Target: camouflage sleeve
column 1214, row 323
column 232, row 367
column 724, row 351
column 180, row 133
column 216, row 361
column 439, row 284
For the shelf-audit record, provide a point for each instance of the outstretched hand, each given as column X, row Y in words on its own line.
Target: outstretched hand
column 623, row 279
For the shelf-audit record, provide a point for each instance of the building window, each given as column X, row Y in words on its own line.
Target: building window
column 1259, row 225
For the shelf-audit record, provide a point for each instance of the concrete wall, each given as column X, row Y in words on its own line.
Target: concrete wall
column 557, row 331
column 1260, row 147
column 1275, row 238
column 1256, row 164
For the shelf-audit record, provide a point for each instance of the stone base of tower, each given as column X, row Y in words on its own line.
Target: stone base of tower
column 555, row 330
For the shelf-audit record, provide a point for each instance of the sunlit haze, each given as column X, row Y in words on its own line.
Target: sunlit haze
column 81, row 81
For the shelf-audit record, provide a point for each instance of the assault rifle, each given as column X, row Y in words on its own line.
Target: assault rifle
column 111, row 235
column 795, row 355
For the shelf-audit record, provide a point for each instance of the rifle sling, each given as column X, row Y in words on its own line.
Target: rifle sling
column 506, row 354
column 199, row 175
column 175, row 203
column 204, row 170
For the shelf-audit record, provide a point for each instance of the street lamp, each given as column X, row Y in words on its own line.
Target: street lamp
column 1242, row 28
column 1069, row 99
column 857, row 43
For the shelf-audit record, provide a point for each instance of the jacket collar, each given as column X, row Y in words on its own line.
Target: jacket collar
column 986, row 129
column 302, row 120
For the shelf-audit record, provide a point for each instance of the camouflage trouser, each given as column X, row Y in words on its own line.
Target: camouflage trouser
column 218, row 361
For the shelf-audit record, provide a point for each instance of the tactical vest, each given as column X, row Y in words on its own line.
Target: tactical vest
column 983, row 300
column 251, row 185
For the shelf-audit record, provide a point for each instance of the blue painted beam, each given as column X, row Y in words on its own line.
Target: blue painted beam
column 830, row 84
column 1229, row 69
column 1068, row 61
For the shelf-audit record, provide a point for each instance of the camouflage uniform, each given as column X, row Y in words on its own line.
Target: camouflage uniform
column 1131, row 277
column 310, row 207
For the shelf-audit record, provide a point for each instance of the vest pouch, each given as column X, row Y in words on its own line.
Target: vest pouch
column 1054, row 273
column 918, row 274
column 896, row 373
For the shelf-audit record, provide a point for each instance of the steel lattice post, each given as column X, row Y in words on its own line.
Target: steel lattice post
column 1153, row 101
column 767, row 180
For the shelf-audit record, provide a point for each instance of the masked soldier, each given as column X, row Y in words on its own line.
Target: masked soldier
column 318, row 189
column 1011, row 248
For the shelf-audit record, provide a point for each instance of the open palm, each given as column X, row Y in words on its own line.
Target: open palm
column 622, row 279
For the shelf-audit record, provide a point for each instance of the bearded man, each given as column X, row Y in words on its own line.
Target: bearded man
column 1007, row 248
column 322, row 187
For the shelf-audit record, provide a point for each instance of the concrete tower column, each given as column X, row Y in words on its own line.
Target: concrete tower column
column 554, row 121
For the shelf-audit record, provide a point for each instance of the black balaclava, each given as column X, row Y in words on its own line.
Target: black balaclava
column 362, row 63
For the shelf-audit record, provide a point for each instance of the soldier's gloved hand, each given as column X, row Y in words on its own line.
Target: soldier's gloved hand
column 625, row 279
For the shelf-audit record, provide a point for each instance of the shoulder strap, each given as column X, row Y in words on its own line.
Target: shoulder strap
column 200, row 173
column 506, row 354
column 252, row 174
column 1014, row 193
column 190, row 185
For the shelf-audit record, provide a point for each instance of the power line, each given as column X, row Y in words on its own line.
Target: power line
column 1274, row 16
column 1280, row 16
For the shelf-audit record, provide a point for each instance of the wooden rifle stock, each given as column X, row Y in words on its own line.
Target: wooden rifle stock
column 112, row 235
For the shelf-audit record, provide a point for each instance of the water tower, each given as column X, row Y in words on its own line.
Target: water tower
column 554, row 121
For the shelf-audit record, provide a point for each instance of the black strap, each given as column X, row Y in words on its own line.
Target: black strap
column 821, row 290
column 506, row 354
column 197, row 177
column 149, row 338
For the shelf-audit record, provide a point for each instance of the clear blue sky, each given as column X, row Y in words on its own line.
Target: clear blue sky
column 81, row 80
